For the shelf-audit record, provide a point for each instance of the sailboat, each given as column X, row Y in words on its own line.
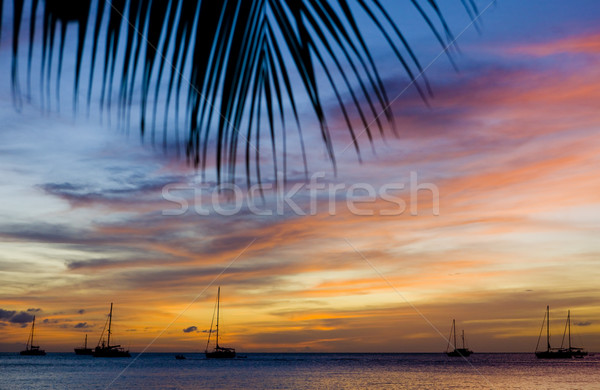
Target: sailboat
column 30, row 349
column 464, row 351
column 107, row 350
column 218, row 352
column 84, row 350
column 558, row 353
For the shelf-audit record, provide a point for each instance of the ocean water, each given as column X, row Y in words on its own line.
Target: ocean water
column 298, row 371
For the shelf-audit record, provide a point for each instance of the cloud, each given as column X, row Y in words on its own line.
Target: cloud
column 585, row 323
column 82, row 325
column 191, row 329
column 119, row 192
column 32, row 310
column 21, row 318
column 47, row 232
column 81, row 311
column 581, row 44
column 93, row 263
column 6, row 314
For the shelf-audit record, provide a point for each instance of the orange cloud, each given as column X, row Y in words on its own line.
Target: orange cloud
column 583, row 44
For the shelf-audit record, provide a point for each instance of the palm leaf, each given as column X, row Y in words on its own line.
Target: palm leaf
column 242, row 67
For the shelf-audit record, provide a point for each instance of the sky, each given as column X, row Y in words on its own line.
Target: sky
column 485, row 208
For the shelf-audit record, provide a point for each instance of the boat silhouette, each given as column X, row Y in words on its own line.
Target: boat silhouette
column 84, row 350
column 30, row 349
column 218, row 352
column 562, row 352
column 104, row 349
column 457, row 352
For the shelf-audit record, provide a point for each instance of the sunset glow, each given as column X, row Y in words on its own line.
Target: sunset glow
column 510, row 141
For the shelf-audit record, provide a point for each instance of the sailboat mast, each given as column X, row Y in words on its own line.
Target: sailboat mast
column 463, row 338
column 569, row 322
column 85, row 344
column 548, row 326
column 218, row 306
column 109, row 323
column 32, row 327
column 454, row 331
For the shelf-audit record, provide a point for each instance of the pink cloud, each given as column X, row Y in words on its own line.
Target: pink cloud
column 582, row 44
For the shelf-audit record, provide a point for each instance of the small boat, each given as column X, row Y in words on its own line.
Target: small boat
column 558, row 353
column 84, row 350
column 218, row 352
column 179, row 357
column 105, row 349
column 30, row 349
column 457, row 352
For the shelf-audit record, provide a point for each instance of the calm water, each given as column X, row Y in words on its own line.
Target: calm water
column 299, row 371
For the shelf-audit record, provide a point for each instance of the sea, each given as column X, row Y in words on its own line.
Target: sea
column 298, row 371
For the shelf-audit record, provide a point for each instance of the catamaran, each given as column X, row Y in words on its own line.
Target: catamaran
column 558, row 353
column 30, row 349
column 84, row 350
column 218, row 352
column 464, row 351
column 104, row 349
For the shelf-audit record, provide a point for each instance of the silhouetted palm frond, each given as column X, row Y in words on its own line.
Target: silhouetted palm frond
column 244, row 66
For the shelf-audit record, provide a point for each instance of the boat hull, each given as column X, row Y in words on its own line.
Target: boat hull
column 110, row 352
column 561, row 354
column 458, row 352
column 221, row 353
column 33, row 352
